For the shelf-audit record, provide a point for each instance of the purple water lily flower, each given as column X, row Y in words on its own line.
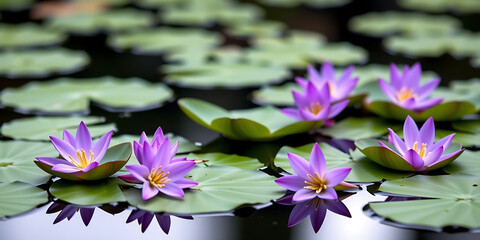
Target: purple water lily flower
column 405, row 91
column 79, row 154
column 157, row 140
column 316, row 208
column 68, row 210
column 158, row 171
column 339, row 89
column 314, row 104
column 419, row 149
column 144, row 218
column 313, row 180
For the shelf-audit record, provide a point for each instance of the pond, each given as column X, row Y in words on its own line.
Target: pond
column 213, row 75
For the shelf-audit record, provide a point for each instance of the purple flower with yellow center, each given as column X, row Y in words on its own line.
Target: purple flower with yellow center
column 158, row 171
column 79, row 153
column 312, row 178
column 417, row 152
column 339, row 89
column 405, row 91
column 314, row 104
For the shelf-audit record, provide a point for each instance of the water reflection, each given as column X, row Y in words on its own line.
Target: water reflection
column 316, row 208
column 67, row 211
column 144, row 218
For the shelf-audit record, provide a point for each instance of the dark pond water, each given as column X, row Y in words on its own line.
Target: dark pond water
column 269, row 222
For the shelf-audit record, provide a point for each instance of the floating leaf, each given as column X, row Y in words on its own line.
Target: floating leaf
column 164, row 40
column 458, row 6
column 225, row 75
column 467, row 163
column 28, row 35
column 107, row 21
column 342, row 53
column 66, row 95
column 16, row 161
column 455, row 204
column 465, row 139
column 466, row 86
column 385, row 23
column 363, row 170
column 259, row 29
column 276, row 95
column 40, row 128
column 115, row 158
column 355, row 128
column 257, row 124
column 41, row 62
column 103, row 192
column 222, row 159
column 311, row 3
column 471, row 126
column 219, row 189
column 19, row 197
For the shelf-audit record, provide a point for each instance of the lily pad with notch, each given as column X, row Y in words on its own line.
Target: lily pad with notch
column 222, row 159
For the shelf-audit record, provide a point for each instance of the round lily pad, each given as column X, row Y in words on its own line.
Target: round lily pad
column 40, row 128
column 222, row 159
column 115, row 158
column 79, row 193
column 41, row 62
column 16, row 161
column 258, row 29
column 164, row 40
column 15, row 5
column 106, row 21
column 353, row 128
column 467, row 163
column 66, row 95
column 454, row 203
column 311, row 3
column 28, row 35
column 276, row 95
column 224, row 75
column 211, row 11
column 342, row 53
column 363, row 170
column 19, row 197
column 219, row 189
column 458, row 6
column 465, row 86
column 257, row 124
column 385, row 23
column 471, row 126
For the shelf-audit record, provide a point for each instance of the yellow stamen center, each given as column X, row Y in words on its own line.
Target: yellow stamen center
column 82, row 159
column 405, row 94
column 158, row 178
column 317, row 184
column 422, row 151
column 315, row 108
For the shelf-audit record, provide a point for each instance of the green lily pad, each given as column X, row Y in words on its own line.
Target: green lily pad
column 67, row 95
column 219, row 189
column 40, row 128
column 463, row 44
column 257, row 124
column 311, row 3
column 355, row 128
column 386, row 23
column 115, row 158
column 363, row 170
column 470, row 126
column 292, row 51
column 107, row 21
column 164, row 40
column 458, row 6
column 224, row 75
column 463, row 138
column 389, row 159
column 276, row 95
column 41, row 62
column 206, row 12
column 222, row 159
column 455, row 201
column 16, row 161
column 467, row 163
column 476, row 61
column 28, row 35
column 259, row 29
column 19, row 197
column 466, row 86
column 103, row 192
column 341, row 53
column 15, row 5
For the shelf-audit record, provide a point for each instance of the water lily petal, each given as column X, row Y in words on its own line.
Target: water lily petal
column 322, row 94
column 291, row 182
column 129, row 178
column 135, row 214
column 388, row 90
column 292, row 112
column 328, row 72
column 426, row 104
column 414, row 159
column 427, row 132
column 148, row 155
column 90, row 166
column 143, row 138
column 86, row 214
column 299, row 212
column 65, row 168
column 303, row 194
column 172, row 189
column 395, row 76
column 164, row 222
column 445, row 142
column 162, row 156
column 69, row 138
column 173, row 149
column 309, row 116
column 397, row 142
column 299, row 165
column 302, row 82
column 328, row 193
column 447, row 156
column 179, row 159
column 337, row 207
column 101, row 146
column 425, row 90
column 337, row 108
column 433, row 157
column 148, row 191
column 52, row 161
column 65, row 149
column 313, row 75
column 317, row 216
column 158, row 135
column 66, row 212
column 83, row 139
column 346, row 78
column 185, row 183
column 138, row 151
column 346, row 89
column 146, row 220
column 140, row 172
column 179, row 169
column 413, row 77
column 317, row 161
column 336, row 175
column 410, row 131
column 301, row 100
